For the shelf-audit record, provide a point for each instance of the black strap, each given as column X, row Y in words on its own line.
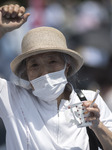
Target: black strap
column 93, row 140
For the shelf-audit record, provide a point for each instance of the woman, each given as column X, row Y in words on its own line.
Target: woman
column 35, row 119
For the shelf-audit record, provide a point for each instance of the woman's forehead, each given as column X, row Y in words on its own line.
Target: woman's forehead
column 45, row 55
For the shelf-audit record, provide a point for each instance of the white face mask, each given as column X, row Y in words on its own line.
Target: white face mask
column 50, row 86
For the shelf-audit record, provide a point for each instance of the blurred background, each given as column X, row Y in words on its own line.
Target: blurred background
column 87, row 26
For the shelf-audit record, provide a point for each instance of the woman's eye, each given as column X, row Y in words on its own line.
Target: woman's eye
column 52, row 62
column 34, row 65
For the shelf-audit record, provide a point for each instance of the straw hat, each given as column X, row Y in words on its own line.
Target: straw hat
column 41, row 40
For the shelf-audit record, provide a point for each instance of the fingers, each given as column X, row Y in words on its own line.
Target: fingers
column 94, row 112
column 12, row 11
column 0, row 17
column 93, row 116
column 88, row 103
column 21, row 11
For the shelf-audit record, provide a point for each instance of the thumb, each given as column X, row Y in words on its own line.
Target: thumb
column 25, row 17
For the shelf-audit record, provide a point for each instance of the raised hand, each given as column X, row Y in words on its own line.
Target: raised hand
column 12, row 17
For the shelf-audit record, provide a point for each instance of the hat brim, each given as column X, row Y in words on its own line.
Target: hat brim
column 17, row 61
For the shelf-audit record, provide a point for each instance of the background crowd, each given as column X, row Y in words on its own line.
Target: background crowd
column 87, row 26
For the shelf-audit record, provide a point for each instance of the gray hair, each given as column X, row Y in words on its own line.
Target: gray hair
column 69, row 60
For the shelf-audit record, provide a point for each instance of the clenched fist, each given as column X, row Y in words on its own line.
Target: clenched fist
column 12, row 17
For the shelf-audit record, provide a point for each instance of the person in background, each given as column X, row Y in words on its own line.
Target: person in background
column 34, row 118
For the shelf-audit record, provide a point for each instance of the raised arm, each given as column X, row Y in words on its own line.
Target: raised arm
column 11, row 18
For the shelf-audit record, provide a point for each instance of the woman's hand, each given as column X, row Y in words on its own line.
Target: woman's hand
column 94, row 113
column 11, row 17
column 102, row 132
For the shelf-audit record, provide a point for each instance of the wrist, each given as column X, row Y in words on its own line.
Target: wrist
column 97, row 126
column 2, row 32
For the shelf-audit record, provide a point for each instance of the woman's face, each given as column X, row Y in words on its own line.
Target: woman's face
column 42, row 64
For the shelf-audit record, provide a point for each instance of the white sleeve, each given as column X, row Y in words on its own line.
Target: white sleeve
column 2, row 83
column 105, row 113
column 5, row 87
